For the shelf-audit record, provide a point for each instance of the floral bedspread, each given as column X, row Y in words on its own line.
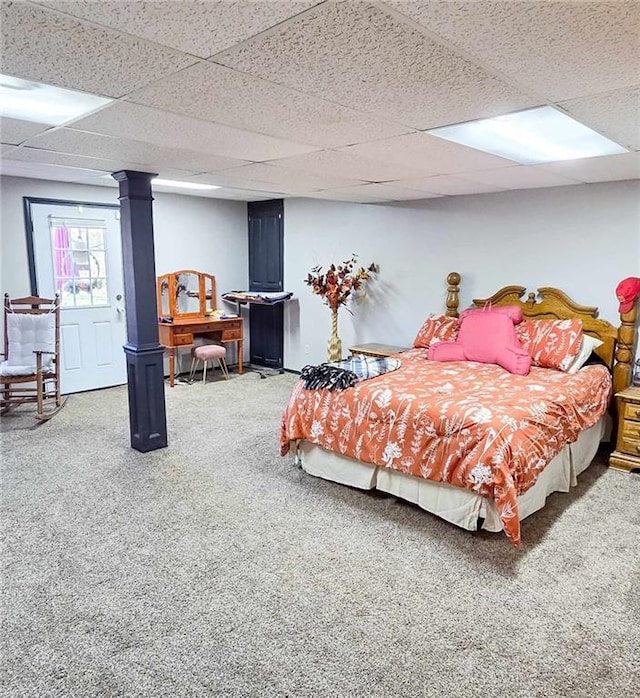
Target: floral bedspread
column 467, row 424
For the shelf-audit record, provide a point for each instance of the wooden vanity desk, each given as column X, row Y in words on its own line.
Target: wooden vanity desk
column 186, row 298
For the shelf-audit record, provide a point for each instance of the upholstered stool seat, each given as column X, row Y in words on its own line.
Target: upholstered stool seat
column 206, row 353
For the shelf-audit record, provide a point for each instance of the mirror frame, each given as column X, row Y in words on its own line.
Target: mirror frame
column 170, row 281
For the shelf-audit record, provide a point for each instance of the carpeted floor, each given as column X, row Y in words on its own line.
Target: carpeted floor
column 216, row 568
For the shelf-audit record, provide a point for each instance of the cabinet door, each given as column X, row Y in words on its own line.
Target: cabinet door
column 266, row 246
column 266, row 328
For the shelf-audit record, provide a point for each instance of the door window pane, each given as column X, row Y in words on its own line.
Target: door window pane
column 79, row 262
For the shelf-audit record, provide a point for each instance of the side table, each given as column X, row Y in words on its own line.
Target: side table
column 627, row 454
column 377, row 350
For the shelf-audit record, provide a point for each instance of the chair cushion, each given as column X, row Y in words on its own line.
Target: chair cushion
column 28, row 333
column 7, row 370
column 206, row 352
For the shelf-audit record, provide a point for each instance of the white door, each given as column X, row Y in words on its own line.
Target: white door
column 78, row 254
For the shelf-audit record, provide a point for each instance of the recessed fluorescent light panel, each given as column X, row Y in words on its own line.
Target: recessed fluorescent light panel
column 44, row 104
column 543, row 134
column 183, row 185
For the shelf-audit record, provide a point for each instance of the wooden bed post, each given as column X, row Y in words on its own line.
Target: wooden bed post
column 624, row 350
column 453, row 294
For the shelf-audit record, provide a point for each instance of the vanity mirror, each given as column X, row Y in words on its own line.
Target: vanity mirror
column 186, row 293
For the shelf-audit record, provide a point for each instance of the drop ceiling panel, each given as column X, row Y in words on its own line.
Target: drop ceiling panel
column 354, row 195
column 615, row 114
column 557, row 49
column 48, row 47
column 216, row 93
column 519, row 177
column 127, row 120
column 371, row 193
column 449, row 186
column 355, row 54
column 200, row 27
column 48, row 157
column 396, row 192
column 602, row 169
column 269, row 189
column 105, row 165
column 38, row 170
column 328, row 163
column 231, row 194
column 95, row 145
column 286, row 179
column 428, row 154
column 15, row 131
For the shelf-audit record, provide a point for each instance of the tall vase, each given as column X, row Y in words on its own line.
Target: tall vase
column 334, row 347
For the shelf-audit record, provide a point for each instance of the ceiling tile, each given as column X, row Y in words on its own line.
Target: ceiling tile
column 615, row 114
column 370, row 193
column 428, row 154
column 394, row 191
column 15, row 131
column 602, row 169
column 354, row 195
column 216, row 93
column 199, row 27
column 127, row 120
column 266, row 190
column 519, row 177
column 38, row 170
column 106, row 165
column 48, row 157
column 328, row 163
column 289, row 179
column 557, row 49
column 355, row 54
column 68, row 140
column 448, row 186
column 49, row 47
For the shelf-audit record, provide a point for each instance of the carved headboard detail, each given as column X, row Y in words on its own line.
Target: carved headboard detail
column 552, row 303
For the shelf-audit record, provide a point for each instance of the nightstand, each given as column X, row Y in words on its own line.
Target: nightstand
column 377, row 350
column 627, row 454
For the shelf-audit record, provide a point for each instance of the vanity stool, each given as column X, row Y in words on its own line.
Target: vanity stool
column 208, row 352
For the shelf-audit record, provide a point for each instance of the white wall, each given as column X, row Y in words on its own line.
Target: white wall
column 583, row 239
column 190, row 232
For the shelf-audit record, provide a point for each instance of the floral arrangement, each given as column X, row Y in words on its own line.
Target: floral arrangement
column 339, row 282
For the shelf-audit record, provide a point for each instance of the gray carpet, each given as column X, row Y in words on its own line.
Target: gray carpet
column 217, row 568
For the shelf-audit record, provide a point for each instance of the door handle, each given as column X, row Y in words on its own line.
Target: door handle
column 120, row 311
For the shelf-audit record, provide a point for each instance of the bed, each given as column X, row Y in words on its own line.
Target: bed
column 469, row 442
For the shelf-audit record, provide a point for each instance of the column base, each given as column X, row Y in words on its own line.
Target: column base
column 147, row 414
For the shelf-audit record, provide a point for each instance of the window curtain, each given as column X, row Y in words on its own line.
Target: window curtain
column 61, row 256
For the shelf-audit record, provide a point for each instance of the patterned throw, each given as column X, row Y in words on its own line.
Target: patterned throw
column 341, row 375
column 470, row 425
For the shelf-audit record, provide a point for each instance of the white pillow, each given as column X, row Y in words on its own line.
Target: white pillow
column 587, row 345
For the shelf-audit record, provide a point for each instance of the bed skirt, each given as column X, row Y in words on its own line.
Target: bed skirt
column 459, row 506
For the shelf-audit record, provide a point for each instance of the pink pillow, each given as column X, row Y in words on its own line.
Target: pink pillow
column 551, row 343
column 437, row 328
column 488, row 337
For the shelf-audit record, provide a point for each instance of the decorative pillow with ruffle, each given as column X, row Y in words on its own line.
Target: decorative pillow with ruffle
column 551, row 343
column 437, row 328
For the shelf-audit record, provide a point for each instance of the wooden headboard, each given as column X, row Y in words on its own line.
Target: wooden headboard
column 552, row 303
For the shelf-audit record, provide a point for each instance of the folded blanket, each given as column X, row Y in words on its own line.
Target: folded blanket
column 368, row 366
column 341, row 375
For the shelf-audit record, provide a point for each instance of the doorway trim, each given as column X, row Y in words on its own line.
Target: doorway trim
column 27, row 203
